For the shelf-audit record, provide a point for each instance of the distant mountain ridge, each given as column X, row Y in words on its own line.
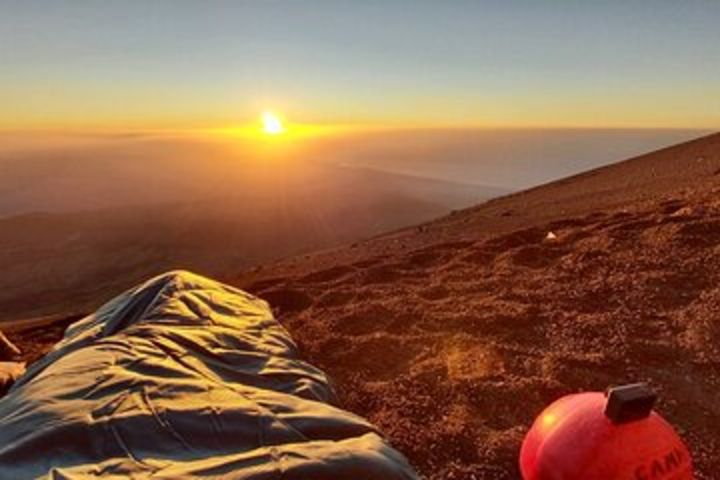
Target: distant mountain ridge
column 96, row 234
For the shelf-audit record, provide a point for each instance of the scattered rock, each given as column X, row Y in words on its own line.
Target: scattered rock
column 683, row 212
column 8, row 351
column 286, row 300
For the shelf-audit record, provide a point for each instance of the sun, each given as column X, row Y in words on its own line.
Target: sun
column 271, row 123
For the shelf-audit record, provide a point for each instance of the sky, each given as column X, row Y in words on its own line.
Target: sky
column 175, row 64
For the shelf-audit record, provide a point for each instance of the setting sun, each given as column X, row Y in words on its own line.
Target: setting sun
column 272, row 124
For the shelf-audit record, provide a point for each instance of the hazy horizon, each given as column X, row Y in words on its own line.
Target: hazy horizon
column 508, row 159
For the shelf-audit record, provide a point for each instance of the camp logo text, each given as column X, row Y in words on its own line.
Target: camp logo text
column 664, row 467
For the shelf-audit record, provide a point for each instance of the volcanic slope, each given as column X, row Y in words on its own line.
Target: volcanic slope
column 454, row 334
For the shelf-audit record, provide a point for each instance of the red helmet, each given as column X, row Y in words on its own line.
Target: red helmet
column 596, row 436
